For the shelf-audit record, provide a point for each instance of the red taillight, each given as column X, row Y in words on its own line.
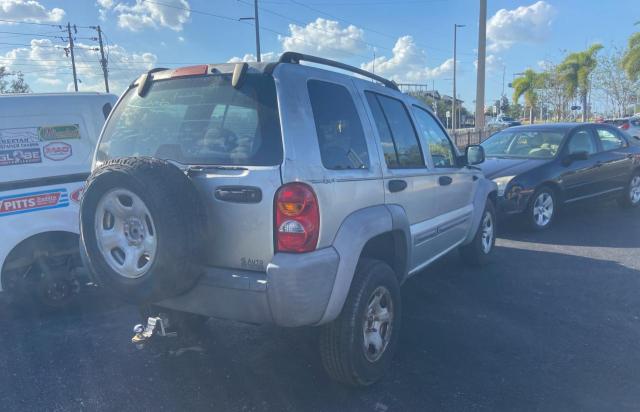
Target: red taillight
column 297, row 218
column 624, row 126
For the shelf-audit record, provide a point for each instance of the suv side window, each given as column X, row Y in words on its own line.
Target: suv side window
column 399, row 140
column 440, row 147
column 609, row 140
column 582, row 141
column 340, row 135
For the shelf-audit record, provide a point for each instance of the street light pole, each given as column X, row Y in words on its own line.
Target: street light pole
column 482, row 46
column 453, row 100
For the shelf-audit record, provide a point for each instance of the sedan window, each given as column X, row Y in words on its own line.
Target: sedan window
column 582, row 141
column 541, row 144
column 609, row 140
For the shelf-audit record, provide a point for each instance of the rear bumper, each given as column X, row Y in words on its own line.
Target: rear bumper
column 293, row 291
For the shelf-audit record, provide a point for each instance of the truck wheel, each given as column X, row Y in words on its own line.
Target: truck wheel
column 631, row 195
column 140, row 226
column 358, row 347
column 478, row 251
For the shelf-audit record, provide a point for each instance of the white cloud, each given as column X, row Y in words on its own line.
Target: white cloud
column 180, row 39
column 408, row 63
column 171, row 14
column 30, row 11
column 250, row 57
column 492, row 64
column 324, row 37
column 48, row 65
column 525, row 24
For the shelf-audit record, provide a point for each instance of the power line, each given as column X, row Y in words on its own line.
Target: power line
column 30, row 34
column 30, row 22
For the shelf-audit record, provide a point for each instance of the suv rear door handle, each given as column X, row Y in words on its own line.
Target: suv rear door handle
column 444, row 180
column 397, row 185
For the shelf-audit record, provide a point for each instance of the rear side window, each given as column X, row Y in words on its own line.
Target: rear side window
column 609, row 139
column 340, row 135
column 396, row 131
column 581, row 141
column 198, row 121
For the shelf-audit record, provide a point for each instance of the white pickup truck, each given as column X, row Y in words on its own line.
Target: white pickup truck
column 46, row 146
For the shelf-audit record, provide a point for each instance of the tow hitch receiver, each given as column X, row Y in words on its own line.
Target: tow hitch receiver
column 143, row 333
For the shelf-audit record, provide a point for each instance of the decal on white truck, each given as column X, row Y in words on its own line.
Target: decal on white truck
column 71, row 131
column 57, row 151
column 33, row 201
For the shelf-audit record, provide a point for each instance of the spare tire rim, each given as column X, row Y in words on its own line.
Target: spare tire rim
column 125, row 233
column 378, row 323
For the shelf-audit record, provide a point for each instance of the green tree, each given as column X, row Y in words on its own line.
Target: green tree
column 526, row 86
column 12, row 82
column 631, row 57
column 575, row 72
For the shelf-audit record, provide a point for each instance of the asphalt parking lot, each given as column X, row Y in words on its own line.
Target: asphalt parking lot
column 552, row 324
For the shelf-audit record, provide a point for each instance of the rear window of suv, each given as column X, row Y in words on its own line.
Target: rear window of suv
column 198, row 121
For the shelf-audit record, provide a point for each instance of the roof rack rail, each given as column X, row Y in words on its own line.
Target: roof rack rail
column 296, row 58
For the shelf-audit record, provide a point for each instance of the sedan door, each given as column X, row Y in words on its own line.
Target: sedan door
column 613, row 160
column 579, row 177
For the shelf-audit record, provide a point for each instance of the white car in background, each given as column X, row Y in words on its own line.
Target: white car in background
column 630, row 125
column 46, row 147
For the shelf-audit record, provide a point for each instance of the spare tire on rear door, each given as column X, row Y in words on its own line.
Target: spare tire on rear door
column 140, row 224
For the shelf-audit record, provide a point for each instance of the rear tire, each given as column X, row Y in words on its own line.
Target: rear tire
column 478, row 252
column 345, row 356
column 631, row 196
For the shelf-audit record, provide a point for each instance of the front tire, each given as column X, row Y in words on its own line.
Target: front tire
column 542, row 209
column 477, row 252
column 357, row 347
column 631, row 196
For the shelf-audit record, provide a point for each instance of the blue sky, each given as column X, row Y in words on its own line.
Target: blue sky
column 411, row 39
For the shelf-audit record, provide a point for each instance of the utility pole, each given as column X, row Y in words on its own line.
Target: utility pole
column 453, row 101
column 73, row 58
column 482, row 52
column 103, row 61
column 256, row 21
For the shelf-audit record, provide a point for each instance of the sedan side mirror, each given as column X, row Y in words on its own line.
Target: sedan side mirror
column 474, row 154
column 581, row 155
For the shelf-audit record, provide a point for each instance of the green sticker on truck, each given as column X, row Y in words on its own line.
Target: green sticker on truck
column 71, row 131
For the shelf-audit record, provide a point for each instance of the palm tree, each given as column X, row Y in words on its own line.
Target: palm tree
column 575, row 71
column 526, row 85
column 631, row 58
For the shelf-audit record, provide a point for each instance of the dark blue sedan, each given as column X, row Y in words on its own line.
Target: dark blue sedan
column 541, row 168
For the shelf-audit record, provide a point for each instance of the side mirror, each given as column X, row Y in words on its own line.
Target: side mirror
column 474, row 154
column 581, row 155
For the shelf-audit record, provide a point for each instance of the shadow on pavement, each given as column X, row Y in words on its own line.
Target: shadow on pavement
column 588, row 224
column 533, row 330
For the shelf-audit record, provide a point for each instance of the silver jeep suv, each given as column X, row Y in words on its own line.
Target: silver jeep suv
column 280, row 193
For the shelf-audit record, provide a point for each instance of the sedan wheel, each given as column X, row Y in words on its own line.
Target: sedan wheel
column 634, row 190
column 542, row 209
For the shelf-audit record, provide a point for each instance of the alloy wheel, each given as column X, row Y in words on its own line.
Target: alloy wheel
column 378, row 323
column 543, row 209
